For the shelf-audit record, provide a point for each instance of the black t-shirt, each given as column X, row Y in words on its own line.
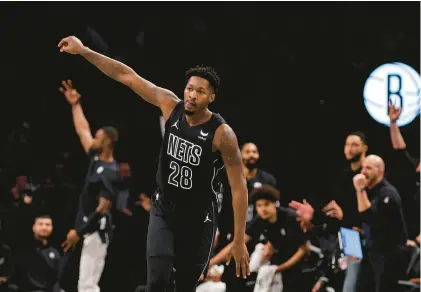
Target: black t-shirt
column 226, row 221
column 188, row 166
column 262, row 178
column 345, row 195
column 285, row 235
column 102, row 180
column 385, row 218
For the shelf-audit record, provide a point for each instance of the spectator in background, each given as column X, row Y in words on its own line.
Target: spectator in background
column 122, row 202
column 380, row 206
column 342, row 210
column 20, row 213
column 93, row 221
column 282, row 231
column 39, row 262
column 408, row 182
column 255, row 178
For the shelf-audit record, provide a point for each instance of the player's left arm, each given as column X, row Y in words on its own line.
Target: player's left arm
column 103, row 208
column 226, row 142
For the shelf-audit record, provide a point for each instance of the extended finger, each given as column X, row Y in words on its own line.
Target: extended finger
column 328, row 206
column 62, row 42
column 331, row 213
column 247, row 267
column 66, row 86
column 244, row 268
column 295, row 204
column 70, row 83
column 229, row 257
column 67, row 246
column 237, row 269
column 61, row 89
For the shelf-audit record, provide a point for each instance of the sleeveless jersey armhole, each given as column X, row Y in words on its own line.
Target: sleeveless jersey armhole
column 173, row 114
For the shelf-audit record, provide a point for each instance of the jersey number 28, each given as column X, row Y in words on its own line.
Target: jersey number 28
column 180, row 176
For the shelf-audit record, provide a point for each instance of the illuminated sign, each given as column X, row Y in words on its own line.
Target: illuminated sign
column 396, row 83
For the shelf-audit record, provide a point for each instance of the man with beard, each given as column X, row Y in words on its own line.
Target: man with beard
column 93, row 220
column 342, row 210
column 197, row 144
column 380, row 206
column 255, row 178
column 39, row 263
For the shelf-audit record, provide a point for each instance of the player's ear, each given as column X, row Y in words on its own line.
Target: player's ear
column 212, row 98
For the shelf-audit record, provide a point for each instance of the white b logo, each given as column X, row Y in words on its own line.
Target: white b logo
column 396, row 83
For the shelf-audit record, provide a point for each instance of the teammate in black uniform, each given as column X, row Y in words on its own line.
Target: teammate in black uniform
column 93, row 220
column 183, row 217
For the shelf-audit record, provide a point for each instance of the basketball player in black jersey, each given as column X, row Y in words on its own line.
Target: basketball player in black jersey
column 183, row 217
column 93, row 220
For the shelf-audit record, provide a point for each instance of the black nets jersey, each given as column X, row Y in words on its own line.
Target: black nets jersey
column 188, row 169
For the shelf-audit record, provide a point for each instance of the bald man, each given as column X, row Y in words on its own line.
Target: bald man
column 380, row 207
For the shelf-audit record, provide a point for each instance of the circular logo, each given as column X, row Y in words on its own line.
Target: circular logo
column 100, row 169
column 52, row 255
column 257, row 185
column 398, row 84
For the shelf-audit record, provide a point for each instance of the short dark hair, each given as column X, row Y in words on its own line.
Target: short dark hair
column 359, row 134
column 265, row 192
column 43, row 216
column 244, row 144
column 205, row 72
column 112, row 134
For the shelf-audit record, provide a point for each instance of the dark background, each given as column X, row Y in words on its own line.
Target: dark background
column 292, row 76
column 292, row 73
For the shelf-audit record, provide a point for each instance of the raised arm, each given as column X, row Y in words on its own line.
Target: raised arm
column 395, row 134
column 160, row 97
column 227, row 144
column 81, row 124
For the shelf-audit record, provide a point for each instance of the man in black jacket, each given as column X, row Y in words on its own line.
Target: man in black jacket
column 39, row 262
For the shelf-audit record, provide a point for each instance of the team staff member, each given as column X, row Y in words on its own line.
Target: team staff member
column 39, row 263
column 380, row 205
column 282, row 230
column 255, row 178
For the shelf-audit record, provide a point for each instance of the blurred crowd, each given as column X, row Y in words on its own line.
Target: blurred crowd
column 294, row 247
